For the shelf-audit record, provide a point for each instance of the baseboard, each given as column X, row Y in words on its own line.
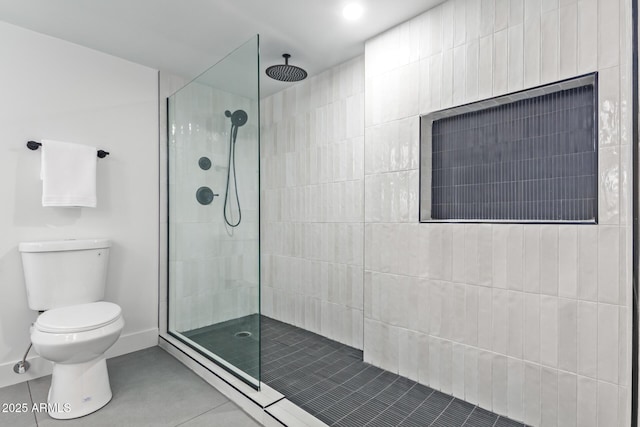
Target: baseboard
column 134, row 342
column 39, row 367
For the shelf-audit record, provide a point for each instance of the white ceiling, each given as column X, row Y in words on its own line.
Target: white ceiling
column 187, row 37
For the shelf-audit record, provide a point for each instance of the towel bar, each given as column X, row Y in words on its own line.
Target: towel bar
column 33, row 145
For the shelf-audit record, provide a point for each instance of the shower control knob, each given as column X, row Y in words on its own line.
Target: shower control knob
column 205, row 196
column 204, row 163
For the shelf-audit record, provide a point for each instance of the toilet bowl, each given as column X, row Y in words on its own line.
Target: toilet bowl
column 75, row 338
column 66, row 280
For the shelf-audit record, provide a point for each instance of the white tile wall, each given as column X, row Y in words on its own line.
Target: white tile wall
column 516, row 12
column 487, row 17
column 568, row 28
column 515, row 389
column 501, row 61
column 313, row 202
column 471, row 375
column 587, row 35
column 526, row 320
column 214, row 270
column 516, row 324
column 568, row 261
column 567, row 399
column 530, row 321
column 567, row 334
column 501, row 15
column 457, row 370
column 516, row 55
column 587, row 396
column 532, row 45
column 485, row 379
column 532, row 408
column 549, row 46
column 549, row 397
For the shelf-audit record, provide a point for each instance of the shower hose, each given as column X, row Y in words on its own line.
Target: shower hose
column 232, row 163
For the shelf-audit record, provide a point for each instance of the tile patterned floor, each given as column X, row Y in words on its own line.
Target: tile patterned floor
column 330, row 380
column 221, row 338
column 150, row 388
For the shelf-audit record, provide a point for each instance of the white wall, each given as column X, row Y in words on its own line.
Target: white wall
column 312, row 203
column 530, row 321
column 58, row 90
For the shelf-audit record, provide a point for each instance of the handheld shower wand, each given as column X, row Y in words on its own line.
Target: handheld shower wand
column 238, row 118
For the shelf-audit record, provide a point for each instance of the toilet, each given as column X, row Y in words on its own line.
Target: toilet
column 65, row 280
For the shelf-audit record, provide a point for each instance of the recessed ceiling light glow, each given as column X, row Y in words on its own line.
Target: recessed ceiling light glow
column 352, row 11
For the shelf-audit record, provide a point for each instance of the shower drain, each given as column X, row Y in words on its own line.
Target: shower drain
column 242, row 334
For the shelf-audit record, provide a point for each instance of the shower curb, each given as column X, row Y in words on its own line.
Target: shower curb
column 267, row 406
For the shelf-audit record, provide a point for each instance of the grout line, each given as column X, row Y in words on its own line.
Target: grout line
column 316, row 383
column 423, row 400
column 364, row 403
column 192, row 418
column 469, row 416
column 207, row 411
column 305, row 366
column 417, row 406
column 331, row 389
column 388, row 406
column 443, row 411
column 285, row 356
column 335, row 350
column 31, row 398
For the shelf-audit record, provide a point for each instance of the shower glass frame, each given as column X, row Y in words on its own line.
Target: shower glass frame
column 224, row 79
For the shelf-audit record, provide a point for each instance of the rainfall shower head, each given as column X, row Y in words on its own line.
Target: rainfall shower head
column 238, row 118
column 286, row 72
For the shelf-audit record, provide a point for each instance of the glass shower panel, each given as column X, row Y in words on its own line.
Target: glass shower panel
column 214, row 270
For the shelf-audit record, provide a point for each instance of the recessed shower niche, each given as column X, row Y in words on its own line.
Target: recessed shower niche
column 214, row 271
column 529, row 156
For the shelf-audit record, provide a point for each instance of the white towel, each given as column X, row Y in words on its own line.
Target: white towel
column 68, row 174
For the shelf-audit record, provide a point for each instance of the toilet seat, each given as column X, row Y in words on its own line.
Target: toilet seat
column 78, row 318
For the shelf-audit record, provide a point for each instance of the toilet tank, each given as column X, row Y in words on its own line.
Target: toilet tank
column 64, row 272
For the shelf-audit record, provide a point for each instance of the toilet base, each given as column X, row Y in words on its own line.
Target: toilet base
column 78, row 389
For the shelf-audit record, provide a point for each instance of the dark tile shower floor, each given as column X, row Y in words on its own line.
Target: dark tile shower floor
column 236, row 341
column 330, row 381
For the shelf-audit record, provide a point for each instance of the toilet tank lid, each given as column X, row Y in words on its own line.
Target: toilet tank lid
column 64, row 245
